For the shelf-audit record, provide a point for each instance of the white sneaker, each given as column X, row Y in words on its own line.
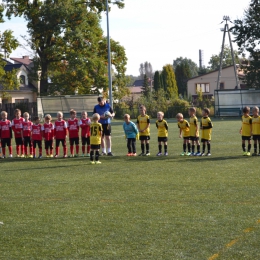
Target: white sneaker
column 10, row 155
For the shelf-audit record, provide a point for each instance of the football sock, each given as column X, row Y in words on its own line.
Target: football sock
column 22, row 149
column 142, row 148
column 97, row 156
column 83, row 148
column 203, row 147
column 255, row 148
column 244, row 147
column 92, row 156
column 189, row 147
column 184, row 148
column 249, row 147
column 160, row 148
column 88, row 148
column 147, row 148
column 50, row 151
column 109, row 150
column 71, row 149
column 65, row 150
column 104, row 150
column 10, row 149
column 192, row 148
column 165, row 148
column 198, row 148
column 208, row 145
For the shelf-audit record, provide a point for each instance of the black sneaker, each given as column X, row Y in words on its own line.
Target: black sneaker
column 110, row 154
column 103, row 154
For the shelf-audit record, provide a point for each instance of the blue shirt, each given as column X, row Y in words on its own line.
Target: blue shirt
column 101, row 110
column 130, row 130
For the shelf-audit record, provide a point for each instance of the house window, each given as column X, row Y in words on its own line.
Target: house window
column 21, row 101
column 203, row 87
column 22, row 80
column 221, row 85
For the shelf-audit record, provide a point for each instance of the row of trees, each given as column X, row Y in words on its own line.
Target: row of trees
column 70, row 50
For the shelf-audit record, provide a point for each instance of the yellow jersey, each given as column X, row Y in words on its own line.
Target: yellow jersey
column 206, row 128
column 194, row 126
column 142, row 123
column 95, row 133
column 256, row 125
column 246, row 125
column 162, row 127
column 185, row 128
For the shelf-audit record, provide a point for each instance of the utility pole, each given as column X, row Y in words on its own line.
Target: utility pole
column 226, row 30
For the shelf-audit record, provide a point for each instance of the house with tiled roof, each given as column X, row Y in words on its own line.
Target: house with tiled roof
column 27, row 91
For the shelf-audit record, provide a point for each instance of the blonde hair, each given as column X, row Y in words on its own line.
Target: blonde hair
column 60, row 113
column 4, row 113
column 96, row 117
column 179, row 115
column 48, row 116
column 126, row 116
column 142, row 107
column 26, row 114
column 192, row 109
column 255, row 109
column 84, row 112
column 72, row 111
column 160, row 113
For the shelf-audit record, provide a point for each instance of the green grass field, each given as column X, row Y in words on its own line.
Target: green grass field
column 134, row 208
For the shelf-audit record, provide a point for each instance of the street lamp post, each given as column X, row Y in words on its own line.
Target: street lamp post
column 109, row 60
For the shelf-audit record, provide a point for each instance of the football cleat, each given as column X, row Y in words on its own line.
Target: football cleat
column 134, row 154
column 208, row 154
column 129, row 154
column 92, row 162
column 166, row 154
column 110, row 154
column 98, row 162
column 141, row 154
column 159, row 154
column 147, row 154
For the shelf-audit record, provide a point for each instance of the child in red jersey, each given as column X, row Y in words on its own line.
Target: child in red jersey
column 60, row 133
column 17, row 126
column 73, row 128
column 26, row 135
column 5, row 134
column 85, row 132
column 48, row 135
column 37, row 137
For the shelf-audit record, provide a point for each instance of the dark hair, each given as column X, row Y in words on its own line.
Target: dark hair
column 100, row 99
column 206, row 110
column 246, row 109
column 36, row 118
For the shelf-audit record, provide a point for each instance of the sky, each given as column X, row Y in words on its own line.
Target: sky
column 161, row 31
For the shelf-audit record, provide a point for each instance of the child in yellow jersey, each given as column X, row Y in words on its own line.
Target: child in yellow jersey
column 95, row 138
column 246, row 131
column 143, row 125
column 162, row 127
column 206, row 128
column 194, row 132
column 184, row 133
column 256, row 130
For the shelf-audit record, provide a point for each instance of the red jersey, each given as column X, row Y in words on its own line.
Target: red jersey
column 48, row 131
column 85, row 127
column 37, row 132
column 73, row 127
column 27, row 128
column 60, row 129
column 17, row 126
column 5, row 129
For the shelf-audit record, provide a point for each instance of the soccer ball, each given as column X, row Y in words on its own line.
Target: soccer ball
column 107, row 114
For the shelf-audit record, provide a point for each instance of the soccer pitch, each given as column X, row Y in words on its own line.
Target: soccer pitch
column 172, row 207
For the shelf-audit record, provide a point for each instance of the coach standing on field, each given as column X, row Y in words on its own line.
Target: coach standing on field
column 101, row 108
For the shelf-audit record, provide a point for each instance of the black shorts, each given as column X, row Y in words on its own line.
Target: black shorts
column 27, row 141
column 95, row 146
column 194, row 138
column 186, row 138
column 85, row 140
column 144, row 137
column 49, row 144
column 5, row 142
column 244, row 138
column 256, row 137
column 74, row 140
column 62, row 141
column 18, row 141
column 37, row 142
column 106, row 129
column 205, row 140
column 162, row 139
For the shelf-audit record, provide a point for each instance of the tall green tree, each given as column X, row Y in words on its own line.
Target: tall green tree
column 146, row 88
column 67, row 38
column 183, row 74
column 157, row 81
column 169, row 81
column 247, row 37
column 192, row 65
column 214, row 61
